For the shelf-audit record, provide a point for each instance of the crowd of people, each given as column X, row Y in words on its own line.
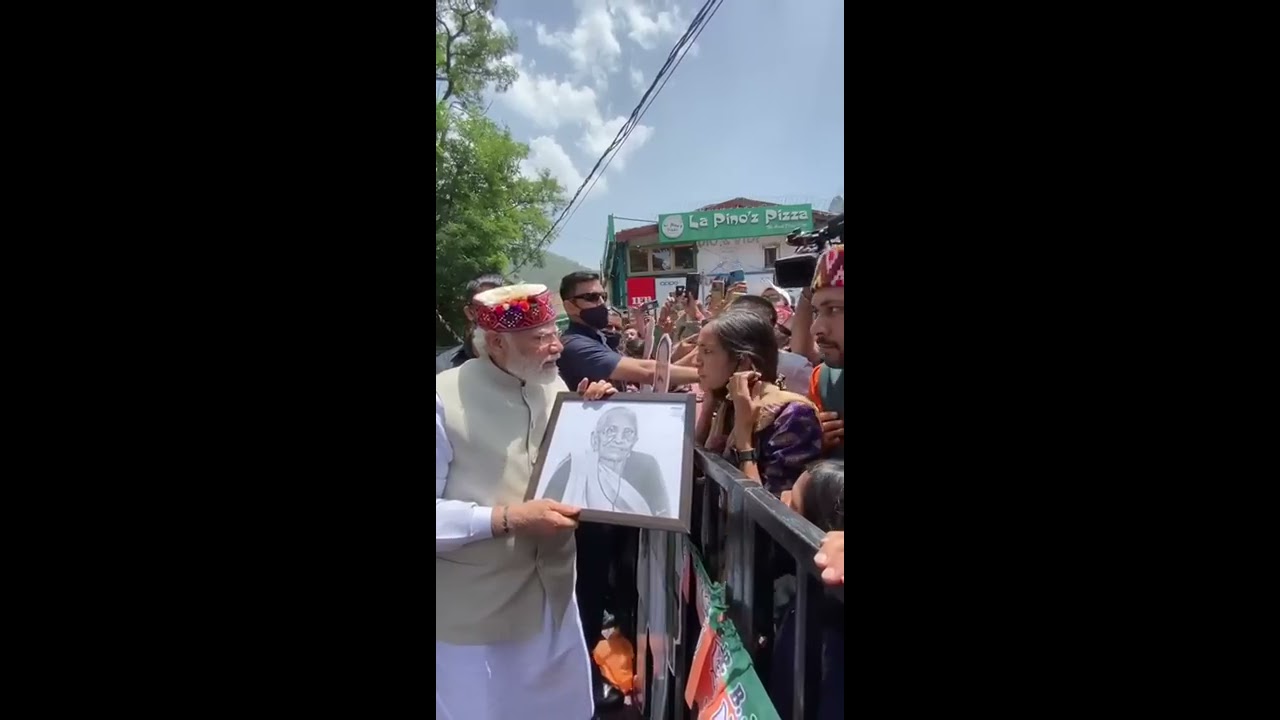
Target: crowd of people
column 529, row 589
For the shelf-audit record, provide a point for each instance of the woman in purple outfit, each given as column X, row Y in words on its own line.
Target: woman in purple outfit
column 770, row 434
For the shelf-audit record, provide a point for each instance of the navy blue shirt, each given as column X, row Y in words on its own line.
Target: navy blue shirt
column 585, row 355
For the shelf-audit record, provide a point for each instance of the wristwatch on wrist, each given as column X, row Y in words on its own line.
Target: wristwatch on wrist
column 741, row 456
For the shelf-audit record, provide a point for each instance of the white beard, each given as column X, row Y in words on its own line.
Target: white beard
column 529, row 370
column 532, row 371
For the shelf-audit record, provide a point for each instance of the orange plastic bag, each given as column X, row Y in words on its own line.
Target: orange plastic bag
column 616, row 657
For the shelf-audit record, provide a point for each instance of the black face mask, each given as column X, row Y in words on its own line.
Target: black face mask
column 596, row 317
column 612, row 338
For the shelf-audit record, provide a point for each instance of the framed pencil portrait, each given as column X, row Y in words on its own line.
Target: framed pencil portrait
column 625, row 460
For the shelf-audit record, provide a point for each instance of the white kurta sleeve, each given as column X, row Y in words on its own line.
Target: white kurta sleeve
column 457, row 522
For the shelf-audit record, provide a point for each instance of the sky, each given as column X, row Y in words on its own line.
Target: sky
column 755, row 109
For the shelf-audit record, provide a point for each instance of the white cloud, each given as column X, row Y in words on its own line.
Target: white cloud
column 551, row 102
column 591, row 45
column 547, row 102
column 637, row 79
column 597, row 136
column 499, row 26
column 648, row 26
column 546, row 153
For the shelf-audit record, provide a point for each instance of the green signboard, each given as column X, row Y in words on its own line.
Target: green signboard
column 703, row 225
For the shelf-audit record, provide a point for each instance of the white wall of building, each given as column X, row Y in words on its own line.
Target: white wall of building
column 721, row 257
column 718, row 257
column 745, row 254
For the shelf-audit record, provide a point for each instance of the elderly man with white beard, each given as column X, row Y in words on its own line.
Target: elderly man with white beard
column 509, row 642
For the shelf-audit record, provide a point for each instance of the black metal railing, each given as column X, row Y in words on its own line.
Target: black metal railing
column 747, row 538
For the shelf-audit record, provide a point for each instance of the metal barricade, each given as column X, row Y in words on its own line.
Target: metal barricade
column 739, row 530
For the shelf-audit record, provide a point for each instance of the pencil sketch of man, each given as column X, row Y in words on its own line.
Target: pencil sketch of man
column 610, row 475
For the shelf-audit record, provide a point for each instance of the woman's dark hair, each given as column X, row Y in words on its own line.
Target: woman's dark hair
column 758, row 304
column 823, row 498
column 635, row 348
column 743, row 333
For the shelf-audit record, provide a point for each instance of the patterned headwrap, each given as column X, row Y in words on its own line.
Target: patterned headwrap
column 830, row 270
column 513, row 308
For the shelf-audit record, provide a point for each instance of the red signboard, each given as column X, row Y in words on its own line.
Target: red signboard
column 640, row 290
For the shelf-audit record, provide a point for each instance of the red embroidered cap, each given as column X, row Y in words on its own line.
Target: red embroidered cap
column 830, row 269
column 513, row 308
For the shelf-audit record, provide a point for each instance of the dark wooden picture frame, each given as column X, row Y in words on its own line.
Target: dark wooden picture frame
column 683, row 521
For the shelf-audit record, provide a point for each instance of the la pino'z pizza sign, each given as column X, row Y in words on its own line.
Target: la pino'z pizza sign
column 754, row 222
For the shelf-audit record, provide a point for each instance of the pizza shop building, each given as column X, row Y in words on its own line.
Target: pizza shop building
column 736, row 236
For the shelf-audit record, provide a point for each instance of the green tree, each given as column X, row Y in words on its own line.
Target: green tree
column 488, row 215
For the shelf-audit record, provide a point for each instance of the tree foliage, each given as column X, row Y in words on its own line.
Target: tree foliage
column 488, row 215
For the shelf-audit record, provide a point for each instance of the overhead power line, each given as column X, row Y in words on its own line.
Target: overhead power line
column 678, row 60
column 674, row 58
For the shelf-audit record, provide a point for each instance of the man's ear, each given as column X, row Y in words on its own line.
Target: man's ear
column 496, row 341
column 471, row 314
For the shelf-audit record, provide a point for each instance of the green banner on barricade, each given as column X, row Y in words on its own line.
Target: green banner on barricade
column 745, row 700
column 722, row 684
column 708, row 595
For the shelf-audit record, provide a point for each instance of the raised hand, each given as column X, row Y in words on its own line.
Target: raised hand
column 684, row 347
column 744, row 392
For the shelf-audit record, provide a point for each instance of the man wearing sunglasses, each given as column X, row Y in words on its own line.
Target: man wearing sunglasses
column 586, row 350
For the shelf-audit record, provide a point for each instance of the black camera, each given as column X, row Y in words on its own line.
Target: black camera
column 797, row 270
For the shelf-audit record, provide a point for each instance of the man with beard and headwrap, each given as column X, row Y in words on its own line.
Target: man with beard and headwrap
column 509, row 642
column 825, row 300
column 610, row 475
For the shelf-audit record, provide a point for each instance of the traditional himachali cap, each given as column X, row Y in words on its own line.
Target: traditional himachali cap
column 513, row 308
column 830, row 269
